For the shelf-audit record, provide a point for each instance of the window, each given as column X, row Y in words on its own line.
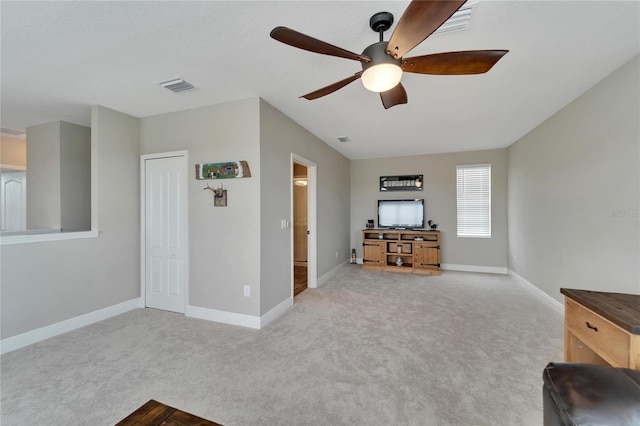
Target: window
column 474, row 200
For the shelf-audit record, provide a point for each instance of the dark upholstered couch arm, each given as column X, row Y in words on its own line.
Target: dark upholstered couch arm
column 587, row 394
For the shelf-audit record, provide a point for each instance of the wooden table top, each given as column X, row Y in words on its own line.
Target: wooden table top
column 155, row 413
column 621, row 309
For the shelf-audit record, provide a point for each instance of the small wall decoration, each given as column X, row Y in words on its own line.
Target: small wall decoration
column 401, row 183
column 219, row 196
column 226, row 170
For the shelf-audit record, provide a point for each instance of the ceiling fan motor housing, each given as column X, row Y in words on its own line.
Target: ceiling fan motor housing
column 383, row 72
column 378, row 54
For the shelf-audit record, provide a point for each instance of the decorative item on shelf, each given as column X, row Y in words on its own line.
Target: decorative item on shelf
column 219, row 195
column 353, row 256
column 432, row 225
column 380, row 236
column 370, row 224
column 401, row 183
column 399, row 249
column 399, row 261
column 226, row 170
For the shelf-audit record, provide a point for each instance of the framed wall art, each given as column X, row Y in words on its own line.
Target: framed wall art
column 402, row 183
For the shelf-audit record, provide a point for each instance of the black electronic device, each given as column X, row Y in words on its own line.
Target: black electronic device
column 401, row 214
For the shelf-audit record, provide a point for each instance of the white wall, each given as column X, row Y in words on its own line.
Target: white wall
column 439, row 193
column 574, row 192
column 45, row 283
column 224, row 242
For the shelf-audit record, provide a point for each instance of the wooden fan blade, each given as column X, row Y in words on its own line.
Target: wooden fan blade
column 332, row 87
column 454, row 63
column 305, row 42
column 393, row 97
column 418, row 22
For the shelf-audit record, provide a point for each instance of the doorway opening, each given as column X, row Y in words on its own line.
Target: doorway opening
column 300, row 228
column 303, row 237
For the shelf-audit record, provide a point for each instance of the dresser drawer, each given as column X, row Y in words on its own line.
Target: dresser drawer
column 605, row 338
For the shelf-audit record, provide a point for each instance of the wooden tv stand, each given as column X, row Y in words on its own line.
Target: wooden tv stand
column 419, row 251
column 602, row 328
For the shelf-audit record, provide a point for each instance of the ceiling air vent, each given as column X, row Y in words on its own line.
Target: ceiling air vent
column 177, row 85
column 343, row 139
column 461, row 20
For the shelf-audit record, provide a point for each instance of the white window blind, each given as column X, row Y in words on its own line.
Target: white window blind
column 474, row 200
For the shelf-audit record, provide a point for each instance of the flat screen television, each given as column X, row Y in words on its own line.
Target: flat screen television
column 401, row 214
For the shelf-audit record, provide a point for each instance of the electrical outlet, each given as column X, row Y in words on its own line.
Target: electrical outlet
column 247, row 291
column 336, row 254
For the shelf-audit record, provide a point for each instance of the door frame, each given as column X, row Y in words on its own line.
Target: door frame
column 312, row 221
column 184, row 223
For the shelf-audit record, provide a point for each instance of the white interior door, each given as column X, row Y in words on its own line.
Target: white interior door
column 165, row 233
column 13, row 197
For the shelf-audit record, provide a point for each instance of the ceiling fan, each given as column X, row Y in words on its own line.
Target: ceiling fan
column 383, row 63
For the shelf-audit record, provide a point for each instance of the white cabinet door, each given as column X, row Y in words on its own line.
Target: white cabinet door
column 13, row 196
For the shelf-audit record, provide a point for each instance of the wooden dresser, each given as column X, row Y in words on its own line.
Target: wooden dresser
column 602, row 328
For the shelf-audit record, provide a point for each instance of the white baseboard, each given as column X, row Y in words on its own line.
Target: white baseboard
column 536, row 291
column 224, row 317
column 326, row 277
column 276, row 312
column 34, row 336
column 232, row 318
column 473, row 268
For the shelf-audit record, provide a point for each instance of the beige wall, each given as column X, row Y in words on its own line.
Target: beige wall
column 45, row 283
column 224, row 242
column 13, row 152
column 43, row 176
column 75, row 177
column 59, row 177
column 439, row 193
column 574, row 192
column 279, row 138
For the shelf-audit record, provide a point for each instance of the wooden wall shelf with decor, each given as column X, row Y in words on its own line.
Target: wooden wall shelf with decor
column 416, row 252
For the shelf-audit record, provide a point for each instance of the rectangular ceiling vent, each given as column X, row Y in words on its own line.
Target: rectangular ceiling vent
column 11, row 132
column 461, row 20
column 177, row 85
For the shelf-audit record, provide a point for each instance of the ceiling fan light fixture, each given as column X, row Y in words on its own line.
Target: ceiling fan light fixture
column 381, row 77
column 383, row 72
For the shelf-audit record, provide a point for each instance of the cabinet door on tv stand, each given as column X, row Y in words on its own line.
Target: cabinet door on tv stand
column 373, row 252
column 426, row 255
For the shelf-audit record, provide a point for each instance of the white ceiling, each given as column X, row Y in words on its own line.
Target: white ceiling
column 60, row 58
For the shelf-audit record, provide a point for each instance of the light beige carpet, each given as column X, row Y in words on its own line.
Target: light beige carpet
column 369, row 348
